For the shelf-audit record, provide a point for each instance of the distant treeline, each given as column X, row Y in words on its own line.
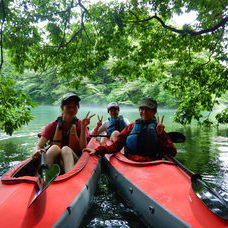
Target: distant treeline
column 47, row 89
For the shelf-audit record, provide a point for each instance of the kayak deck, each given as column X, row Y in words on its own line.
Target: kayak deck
column 160, row 192
column 62, row 204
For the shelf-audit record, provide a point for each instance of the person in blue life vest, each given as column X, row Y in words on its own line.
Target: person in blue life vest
column 115, row 123
column 142, row 140
column 67, row 136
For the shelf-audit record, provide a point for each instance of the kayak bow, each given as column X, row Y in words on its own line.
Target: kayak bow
column 63, row 204
column 160, row 192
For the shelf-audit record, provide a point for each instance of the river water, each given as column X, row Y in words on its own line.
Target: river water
column 205, row 152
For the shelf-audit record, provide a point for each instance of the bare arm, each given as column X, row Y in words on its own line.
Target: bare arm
column 82, row 139
column 99, row 130
column 114, row 147
column 39, row 147
column 166, row 144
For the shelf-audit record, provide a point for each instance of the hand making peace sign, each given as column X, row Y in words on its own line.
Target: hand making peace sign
column 160, row 126
column 99, row 123
column 86, row 120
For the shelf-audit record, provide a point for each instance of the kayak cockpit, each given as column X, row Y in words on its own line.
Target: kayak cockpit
column 29, row 169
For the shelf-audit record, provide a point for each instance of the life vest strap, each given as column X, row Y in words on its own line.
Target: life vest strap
column 56, row 140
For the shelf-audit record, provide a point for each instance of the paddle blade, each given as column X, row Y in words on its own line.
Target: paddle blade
column 176, row 137
column 50, row 174
column 210, row 198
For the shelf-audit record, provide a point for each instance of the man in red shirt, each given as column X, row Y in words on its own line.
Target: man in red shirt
column 67, row 135
column 143, row 140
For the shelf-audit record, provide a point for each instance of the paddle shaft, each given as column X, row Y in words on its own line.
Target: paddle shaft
column 176, row 137
column 99, row 136
column 43, row 167
column 47, row 176
column 203, row 191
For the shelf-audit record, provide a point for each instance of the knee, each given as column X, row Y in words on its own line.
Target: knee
column 66, row 151
column 54, row 149
column 114, row 136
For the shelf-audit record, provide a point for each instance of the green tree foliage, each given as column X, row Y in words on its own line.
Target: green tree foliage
column 48, row 88
column 15, row 106
column 136, row 36
column 223, row 116
column 43, row 88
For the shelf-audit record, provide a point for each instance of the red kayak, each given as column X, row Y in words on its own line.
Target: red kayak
column 160, row 192
column 63, row 204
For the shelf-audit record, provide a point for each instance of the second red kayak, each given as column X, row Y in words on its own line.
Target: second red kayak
column 160, row 192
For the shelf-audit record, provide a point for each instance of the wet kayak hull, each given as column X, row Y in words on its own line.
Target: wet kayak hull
column 148, row 210
column 75, row 212
column 160, row 192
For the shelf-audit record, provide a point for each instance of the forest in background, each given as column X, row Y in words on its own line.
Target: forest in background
column 117, row 50
column 100, row 89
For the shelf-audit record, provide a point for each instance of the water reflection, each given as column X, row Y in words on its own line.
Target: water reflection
column 11, row 154
column 197, row 150
column 108, row 210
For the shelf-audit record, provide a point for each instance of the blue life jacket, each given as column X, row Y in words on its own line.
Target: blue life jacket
column 115, row 124
column 143, row 139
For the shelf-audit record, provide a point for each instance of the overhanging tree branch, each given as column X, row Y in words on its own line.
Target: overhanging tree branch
column 186, row 31
column 75, row 33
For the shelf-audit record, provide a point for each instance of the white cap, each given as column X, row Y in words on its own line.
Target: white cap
column 113, row 105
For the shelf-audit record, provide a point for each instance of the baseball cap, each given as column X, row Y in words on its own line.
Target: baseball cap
column 113, row 105
column 68, row 97
column 149, row 103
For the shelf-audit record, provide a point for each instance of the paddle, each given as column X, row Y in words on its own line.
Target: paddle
column 176, row 137
column 100, row 136
column 47, row 175
column 210, row 197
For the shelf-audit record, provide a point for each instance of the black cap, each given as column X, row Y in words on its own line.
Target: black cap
column 70, row 97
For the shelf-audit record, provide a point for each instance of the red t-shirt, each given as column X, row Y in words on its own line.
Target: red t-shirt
column 165, row 144
column 49, row 130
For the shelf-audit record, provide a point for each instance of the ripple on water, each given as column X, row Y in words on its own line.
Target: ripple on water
column 108, row 210
column 220, row 139
column 5, row 136
column 108, row 223
column 223, row 148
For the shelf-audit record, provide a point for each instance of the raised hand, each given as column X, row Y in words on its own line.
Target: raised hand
column 160, row 126
column 99, row 123
column 89, row 150
column 37, row 153
column 86, row 120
